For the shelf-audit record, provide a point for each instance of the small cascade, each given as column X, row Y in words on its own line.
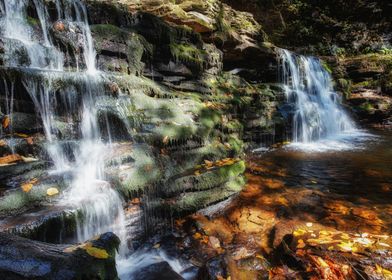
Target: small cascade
column 74, row 12
column 21, row 44
column 317, row 113
column 68, row 100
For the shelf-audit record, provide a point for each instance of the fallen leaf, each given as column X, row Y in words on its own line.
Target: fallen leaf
column 22, row 135
column 156, row 246
column 52, row 191
column 27, row 187
column 97, row 252
column 299, row 232
column 10, row 159
column 384, row 272
column 6, row 122
column 165, row 140
column 301, row 244
column 347, row 247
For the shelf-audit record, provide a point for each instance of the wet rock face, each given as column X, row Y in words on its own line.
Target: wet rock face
column 26, row 259
column 323, row 27
column 364, row 80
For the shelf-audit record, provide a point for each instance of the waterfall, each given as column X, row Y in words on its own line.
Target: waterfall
column 317, row 113
column 20, row 37
column 75, row 11
column 82, row 163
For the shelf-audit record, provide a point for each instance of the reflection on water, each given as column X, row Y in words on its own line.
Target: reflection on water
column 358, row 177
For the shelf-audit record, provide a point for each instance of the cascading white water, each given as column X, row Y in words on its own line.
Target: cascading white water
column 317, row 111
column 101, row 206
column 20, row 35
column 74, row 11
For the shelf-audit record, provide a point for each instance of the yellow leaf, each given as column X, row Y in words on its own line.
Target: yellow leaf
column 27, row 187
column 22, row 135
column 322, row 262
column 299, row 232
column 347, row 247
column 156, row 246
column 97, row 252
column 6, row 122
column 385, row 273
column 301, row 244
column 165, row 140
column 52, row 191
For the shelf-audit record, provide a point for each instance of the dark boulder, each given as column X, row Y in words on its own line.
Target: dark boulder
column 161, row 271
column 22, row 258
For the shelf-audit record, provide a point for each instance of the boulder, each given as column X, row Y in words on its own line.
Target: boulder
column 22, row 258
column 160, row 270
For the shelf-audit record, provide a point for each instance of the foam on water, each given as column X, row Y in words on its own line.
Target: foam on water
column 349, row 140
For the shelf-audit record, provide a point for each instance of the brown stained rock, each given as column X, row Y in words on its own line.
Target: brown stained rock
column 59, row 26
column 218, row 227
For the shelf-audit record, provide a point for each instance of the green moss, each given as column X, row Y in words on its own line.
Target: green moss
column 236, row 144
column 326, row 66
column 188, row 53
column 109, row 31
column 345, row 86
column 33, row 21
column 209, row 117
column 193, row 201
column 234, row 170
column 17, row 200
column 368, row 107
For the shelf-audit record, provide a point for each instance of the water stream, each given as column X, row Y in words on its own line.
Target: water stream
column 319, row 121
column 82, row 163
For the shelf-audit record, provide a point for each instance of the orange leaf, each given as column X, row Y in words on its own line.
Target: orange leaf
column 10, row 159
column 6, row 122
column 27, row 187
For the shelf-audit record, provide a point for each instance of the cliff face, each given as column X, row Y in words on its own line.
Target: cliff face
column 188, row 87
